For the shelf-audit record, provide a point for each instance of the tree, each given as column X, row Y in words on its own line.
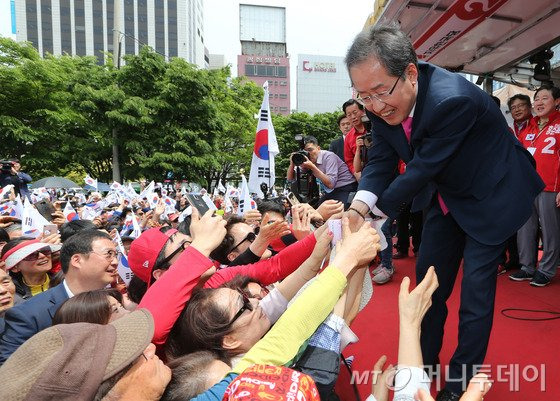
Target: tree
column 322, row 126
column 172, row 119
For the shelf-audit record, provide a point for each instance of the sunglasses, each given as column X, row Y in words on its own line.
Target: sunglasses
column 35, row 255
column 249, row 237
column 181, row 248
column 246, row 306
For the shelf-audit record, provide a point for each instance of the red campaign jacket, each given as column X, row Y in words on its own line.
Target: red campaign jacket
column 544, row 144
column 350, row 147
column 167, row 297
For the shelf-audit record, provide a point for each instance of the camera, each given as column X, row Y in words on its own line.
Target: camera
column 299, row 157
column 6, row 165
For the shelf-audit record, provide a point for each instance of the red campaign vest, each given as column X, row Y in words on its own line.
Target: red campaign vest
column 544, row 145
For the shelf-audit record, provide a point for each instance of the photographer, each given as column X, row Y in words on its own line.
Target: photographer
column 10, row 175
column 327, row 167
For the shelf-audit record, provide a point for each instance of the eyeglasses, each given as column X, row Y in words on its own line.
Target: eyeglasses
column 180, row 249
column 380, row 97
column 109, row 255
column 35, row 255
column 249, row 237
column 263, row 292
column 246, row 306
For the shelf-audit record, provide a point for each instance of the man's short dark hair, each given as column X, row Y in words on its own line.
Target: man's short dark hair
column 387, row 44
column 548, row 87
column 4, row 236
column 519, row 96
column 72, row 227
column 185, row 226
column 349, row 103
column 310, row 139
column 271, row 206
column 340, row 118
column 221, row 252
column 79, row 243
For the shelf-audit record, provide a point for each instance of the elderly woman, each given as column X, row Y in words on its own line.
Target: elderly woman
column 29, row 262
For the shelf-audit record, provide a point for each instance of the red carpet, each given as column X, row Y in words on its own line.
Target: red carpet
column 519, row 351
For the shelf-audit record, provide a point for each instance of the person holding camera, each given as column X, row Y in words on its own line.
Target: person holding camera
column 327, row 167
column 11, row 175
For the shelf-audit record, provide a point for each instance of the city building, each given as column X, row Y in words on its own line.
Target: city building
column 323, row 84
column 173, row 28
column 264, row 57
column 216, row 61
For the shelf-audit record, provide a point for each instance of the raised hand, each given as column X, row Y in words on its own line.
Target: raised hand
column 270, row 231
column 301, row 220
column 207, row 231
column 330, row 208
column 414, row 304
column 252, row 217
column 357, row 248
column 381, row 378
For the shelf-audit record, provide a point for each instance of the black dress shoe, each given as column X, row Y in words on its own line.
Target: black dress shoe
column 400, row 255
column 446, row 395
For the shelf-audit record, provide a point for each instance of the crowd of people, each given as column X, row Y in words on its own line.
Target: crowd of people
column 127, row 296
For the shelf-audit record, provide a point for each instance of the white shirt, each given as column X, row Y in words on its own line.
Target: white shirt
column 70, row 293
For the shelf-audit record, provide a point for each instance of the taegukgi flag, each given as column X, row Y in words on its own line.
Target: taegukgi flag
column 245, row 201
column 90, row 181
column 264, row 151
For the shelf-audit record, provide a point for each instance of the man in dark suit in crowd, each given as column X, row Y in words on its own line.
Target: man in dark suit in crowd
column 89, row 262
column 463, row 164
column 337, row 146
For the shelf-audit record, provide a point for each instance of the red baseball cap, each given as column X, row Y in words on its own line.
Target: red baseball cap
column 144, row 251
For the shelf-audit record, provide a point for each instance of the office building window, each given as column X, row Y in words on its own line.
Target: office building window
column 31, row 15
column 172, row 27
column 283, row 96
column 80, row 27
column 143, row 22
column 250, row 70
column 129, row 26
column 282, row 72
column 160, row 26
column 98, row 31
column 65, row 27
column 110, row 26
column 46, row 26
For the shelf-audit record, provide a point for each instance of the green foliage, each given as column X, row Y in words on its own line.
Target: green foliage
column 322, row 126
column 61, row 116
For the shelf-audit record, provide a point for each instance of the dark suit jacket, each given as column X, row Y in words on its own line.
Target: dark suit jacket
column 27, row 319
column 337, row 147
column 460, row 146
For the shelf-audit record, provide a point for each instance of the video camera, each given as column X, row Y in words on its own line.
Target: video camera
column 6, row 166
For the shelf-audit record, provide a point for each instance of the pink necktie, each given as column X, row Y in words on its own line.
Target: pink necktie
column 407, row 127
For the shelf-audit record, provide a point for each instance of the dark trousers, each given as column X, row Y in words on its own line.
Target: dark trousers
column 443, row 245
column 409, row 224
column 340, row 194
column 510, row 255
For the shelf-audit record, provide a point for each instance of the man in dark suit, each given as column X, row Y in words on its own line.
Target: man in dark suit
column 337, row 146
column 89, row 262
column 463, row 165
